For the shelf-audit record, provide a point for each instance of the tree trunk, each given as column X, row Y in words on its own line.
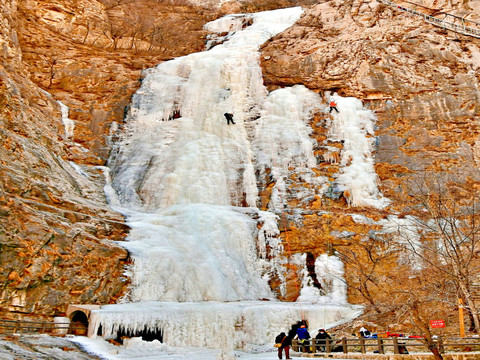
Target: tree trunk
column 366, row 294
column 472, row 308
column 424, row 328
column 436, row 353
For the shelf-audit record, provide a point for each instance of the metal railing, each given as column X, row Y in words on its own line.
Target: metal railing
column 462, row 29
column 39, row 327
column 393, row 345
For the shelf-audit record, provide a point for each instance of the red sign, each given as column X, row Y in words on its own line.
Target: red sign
column 437, row 323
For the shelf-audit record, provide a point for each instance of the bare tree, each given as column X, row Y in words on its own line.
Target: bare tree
column 90, row 24
column 154, row 37
column 447, row 218
column 434, row 249
column 115, row 35
column 139, row 24
column 422, row 324
column 51, row 65
column 367, row 267
column 379, row 270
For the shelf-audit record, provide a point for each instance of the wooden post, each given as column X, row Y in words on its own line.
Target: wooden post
column 441, row 348
column 380, row 346
column 362, row 345
column 295, row 345
column 17, row 324
column 344, row 344
column 328, row 346
column 461, row 321
column 396, row 350
column 314, row 345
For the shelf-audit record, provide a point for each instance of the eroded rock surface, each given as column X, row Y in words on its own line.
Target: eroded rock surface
column 57, row 231
column 422, row 83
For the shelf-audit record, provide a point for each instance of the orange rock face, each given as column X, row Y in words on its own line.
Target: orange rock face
column 55, row 226
column 422, row 83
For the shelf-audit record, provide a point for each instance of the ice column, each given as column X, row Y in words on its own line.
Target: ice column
column 68, row 123
column 354, row 125
column 282, row 142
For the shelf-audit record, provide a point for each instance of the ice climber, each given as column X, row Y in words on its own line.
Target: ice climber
column 229, row 117
column 333, row 105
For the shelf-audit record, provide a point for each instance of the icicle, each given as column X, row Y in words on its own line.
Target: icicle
column 67, row 122
column 217, row 325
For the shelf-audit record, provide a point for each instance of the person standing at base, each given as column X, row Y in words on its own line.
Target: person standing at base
column 333, row 105
column 229, row 117
column 303, row 337
column 321, row 339
column 285, row 342
column 364, row 332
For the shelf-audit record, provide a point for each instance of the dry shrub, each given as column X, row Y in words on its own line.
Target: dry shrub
column 264, row 5
column 153, row 26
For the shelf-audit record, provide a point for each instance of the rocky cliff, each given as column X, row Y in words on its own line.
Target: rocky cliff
column 56, row 230
column 55, row 225
column 422, row 82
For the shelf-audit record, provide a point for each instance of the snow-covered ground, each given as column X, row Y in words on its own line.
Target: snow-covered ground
column 136, row 349
column 45, row 347
column 40, row 347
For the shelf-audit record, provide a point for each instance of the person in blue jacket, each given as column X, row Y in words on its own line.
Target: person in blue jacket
column 303, row 337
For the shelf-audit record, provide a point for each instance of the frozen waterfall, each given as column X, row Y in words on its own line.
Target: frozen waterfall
column 185, row 179
column 186, row 182
column 353, row 125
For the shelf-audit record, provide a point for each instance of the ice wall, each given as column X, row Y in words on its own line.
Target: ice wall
column 239, row 325
column 282, row 141
column 196, row 158
column 354, row 126
column 196, row 252
column 181, row 179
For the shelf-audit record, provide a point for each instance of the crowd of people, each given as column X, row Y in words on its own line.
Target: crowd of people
column 299, row 332
column 300, row 338
column 306, row 343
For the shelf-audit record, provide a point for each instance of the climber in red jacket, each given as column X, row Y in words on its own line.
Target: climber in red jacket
column 333, row 105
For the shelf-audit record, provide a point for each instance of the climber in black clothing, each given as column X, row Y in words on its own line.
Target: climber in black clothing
column 229, row 118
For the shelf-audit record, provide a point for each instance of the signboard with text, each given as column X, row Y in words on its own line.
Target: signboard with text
column 437, row 323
